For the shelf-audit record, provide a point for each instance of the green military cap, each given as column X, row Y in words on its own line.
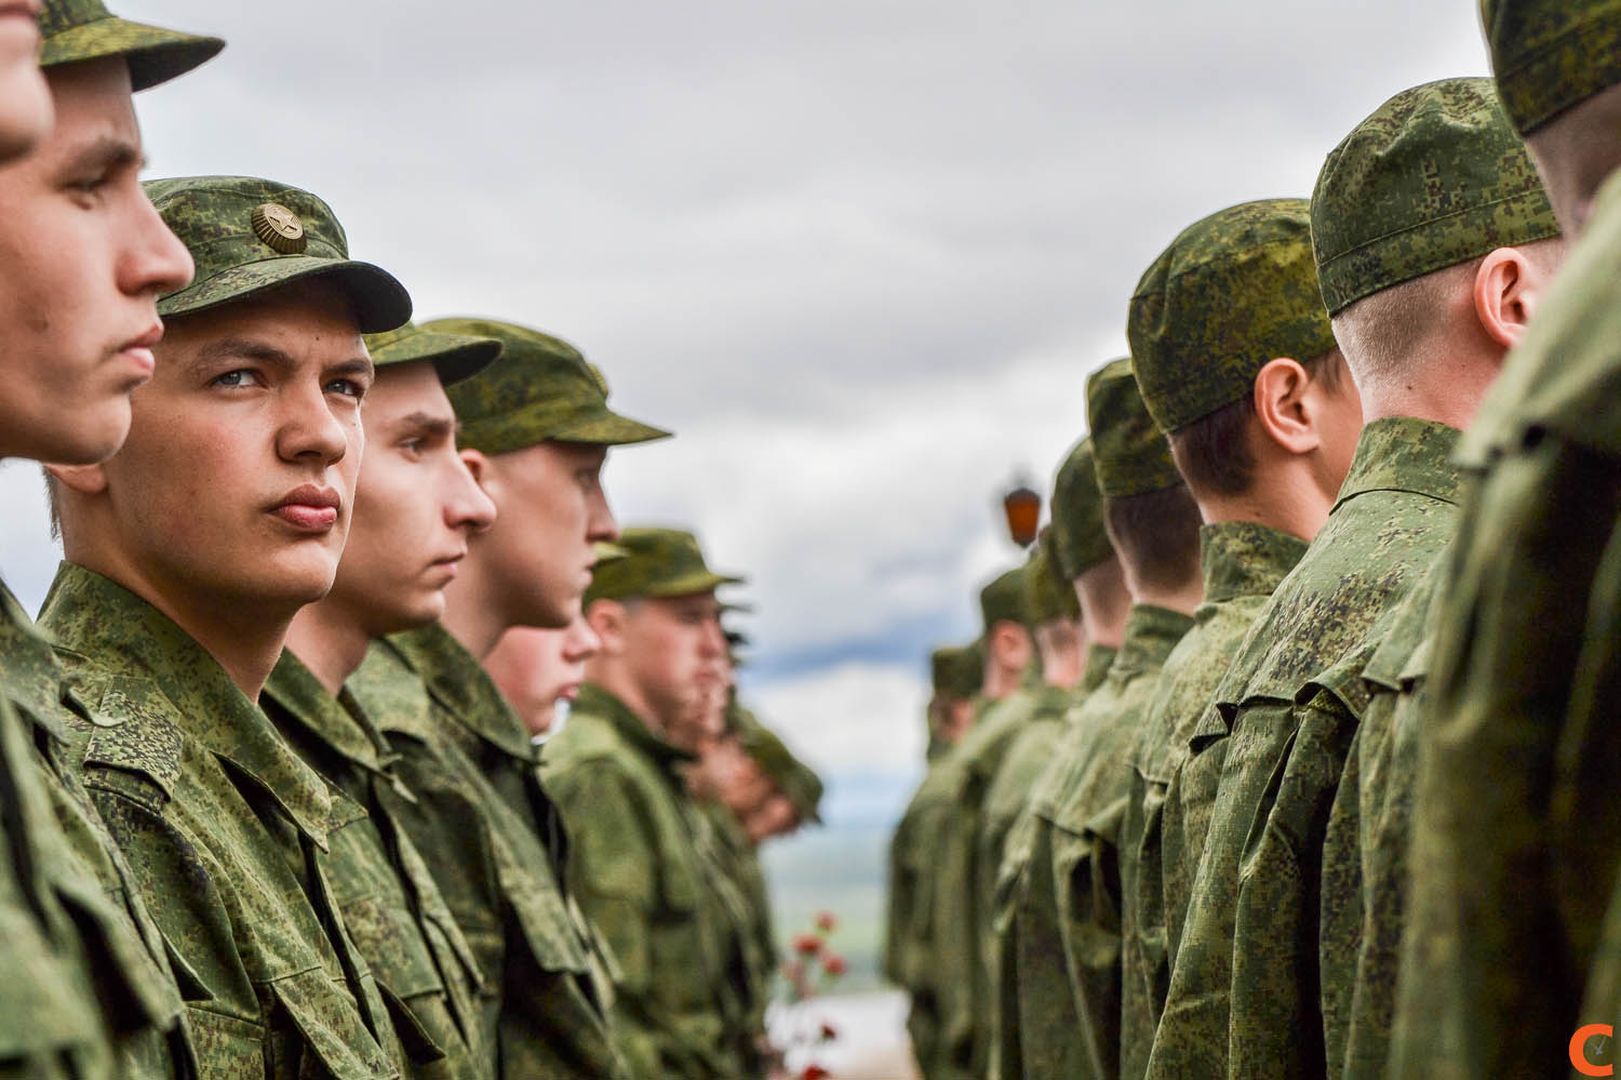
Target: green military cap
column 542, row 390
column 956, row 671
column 1129, row 452
column 249, row 236
column 1049, row 593
column 1080, row 541
column 1232, row 293
column 659, row 563
column 79, row 30
column 454, row 356
column 607, row 553
column 793, row 777
column 1435, row 177
column 1551, row 55
column 1004, row 599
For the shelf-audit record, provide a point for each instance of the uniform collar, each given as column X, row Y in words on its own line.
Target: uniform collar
column 118, row 633
column 458, row 683
column 29, row 674
column 595, row 700
column 1243, row 558
column 294, row 689
column 1404, row 453
column 1151, row 633
column 1099, row 658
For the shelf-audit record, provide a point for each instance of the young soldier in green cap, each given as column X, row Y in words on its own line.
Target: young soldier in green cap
column 535, row 428
column 1514, row 837
column 1031, row 982
column 188, row 554
column 1433, row 239
column 415, row 506
column 1238, row 367
column 636, row 857
column 89, row 989
column 1154, row 525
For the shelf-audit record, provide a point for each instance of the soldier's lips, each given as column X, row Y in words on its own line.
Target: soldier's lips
column 309, row 508
column 137, row 351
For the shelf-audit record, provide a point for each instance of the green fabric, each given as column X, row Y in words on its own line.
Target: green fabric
column 214, row 216
column 494, row 844
column 454, row 356
column 226, row 833
column 956, row 671
column 1242, row 563
column 1551, row 55
column 1130, row 454
column 1232, row 293
column 1049, row 595
column 1434, row 177
column 1079, row 538
column 78, row 30
column 1004, row 599
column 541, row 390
column 1086, row 814
column 658, row 563
column 792, row 776
column 1243, row 994
column 638, row 866
column 749, row 948
column 395, row 913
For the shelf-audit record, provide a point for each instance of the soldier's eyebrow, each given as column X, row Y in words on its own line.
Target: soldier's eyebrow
column 424, row 423
column 228, row 349
column 101, row 154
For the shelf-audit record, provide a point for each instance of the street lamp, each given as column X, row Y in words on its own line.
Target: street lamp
column 1022, row 508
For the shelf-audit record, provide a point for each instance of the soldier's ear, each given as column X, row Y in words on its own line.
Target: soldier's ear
column 1285, row 408
column 1508, row 289
column 606, row 618
column 79, row 479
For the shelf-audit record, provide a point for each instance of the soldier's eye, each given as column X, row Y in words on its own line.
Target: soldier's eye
column 240, row 377
column 346, row 387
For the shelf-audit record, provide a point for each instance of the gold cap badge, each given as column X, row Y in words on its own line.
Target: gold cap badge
column 279, row 228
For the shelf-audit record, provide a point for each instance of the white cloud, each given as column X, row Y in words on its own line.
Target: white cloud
column 855, row 717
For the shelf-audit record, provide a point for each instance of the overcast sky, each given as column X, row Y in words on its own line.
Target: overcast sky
column 859, row 254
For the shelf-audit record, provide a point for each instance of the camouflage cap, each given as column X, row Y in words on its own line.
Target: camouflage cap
column 1005, row 599
column 1232, row 293
column 796, row 780
column 79, row 30
column 1551, row 55
column 249, row 236
column 1435, row 177
column 542, row 390
column 1129, row 452
column 658, row 563
column 1050, row 595
column 454, row 356
column 956, row 671
column 1080, row 541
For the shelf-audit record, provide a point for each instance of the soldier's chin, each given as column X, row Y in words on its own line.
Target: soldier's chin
column 301, row 575
column 82, row 437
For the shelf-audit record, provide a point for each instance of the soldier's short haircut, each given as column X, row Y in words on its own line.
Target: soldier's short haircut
column 1213, row 453
column 1157, row 535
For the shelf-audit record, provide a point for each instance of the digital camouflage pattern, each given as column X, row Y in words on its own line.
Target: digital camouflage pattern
column 1232, row 293
column 1434, row 177
column 454, row 356
column 1244, row 995
column 1004, row 599
column 1032, row 984
column 541, row 390
column 637, row 866
column 90, row 991
column 227, row 834
column 214, row 217
column 1508, row 888
column 1129, row 453
column 739, row 859
column 1079, row 538
column 495, row 846
column 1048, row 595
column 658, row 563
column 1242, row 562
column 79, row 30
column 399, row 922
column 1086, row 816
column 1551, row 55
column 731, row 867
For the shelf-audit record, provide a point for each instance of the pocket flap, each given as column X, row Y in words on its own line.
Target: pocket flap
column 335, row 1036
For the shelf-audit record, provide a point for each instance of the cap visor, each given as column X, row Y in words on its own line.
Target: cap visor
column 608, row 428
column 155, row 54
column 691, row 585
column 380, row 301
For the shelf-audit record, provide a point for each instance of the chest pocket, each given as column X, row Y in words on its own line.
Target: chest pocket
column 326, row 1044
column 545, row 921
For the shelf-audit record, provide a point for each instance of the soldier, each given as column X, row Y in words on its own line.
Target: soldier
column 1514, row 836
column 187, row 555
column 1154, row 525
column 637, row 857
column 540, row 672
column 1032, row 983
column 89, row 990
column 1433, row 240
column 1060, row 637
column 1238, row 366
column 415, row 506
column 535, row 429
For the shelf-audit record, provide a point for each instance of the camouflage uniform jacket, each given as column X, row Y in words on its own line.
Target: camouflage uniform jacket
column 1517, row 827
column 641, row 877
column 226, row 832
column 749, row 949
column 1245, row 982
column 1028, row 960
column 89, row 991
column 1243, row 562
column 391, row 906
column 1086, row 815
column 494, row 844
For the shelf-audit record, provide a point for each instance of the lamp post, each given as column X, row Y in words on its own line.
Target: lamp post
column 1022, row 508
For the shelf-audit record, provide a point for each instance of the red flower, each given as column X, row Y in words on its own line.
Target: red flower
column 826, row 922
column 829, row 1032
column 833, row 964
column 814, row 1072
column 807, row 944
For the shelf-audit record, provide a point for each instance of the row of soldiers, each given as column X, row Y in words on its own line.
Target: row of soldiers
column 1337, row 789
column 285, row 788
